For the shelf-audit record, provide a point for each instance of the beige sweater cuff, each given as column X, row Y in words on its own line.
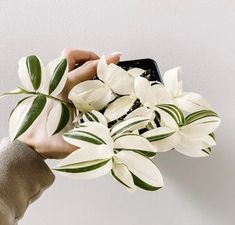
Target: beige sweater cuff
column 23, row 177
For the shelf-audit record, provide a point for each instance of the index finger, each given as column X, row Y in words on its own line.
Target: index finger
column 77, row 56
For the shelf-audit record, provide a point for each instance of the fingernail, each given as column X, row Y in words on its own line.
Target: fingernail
column 117, row 53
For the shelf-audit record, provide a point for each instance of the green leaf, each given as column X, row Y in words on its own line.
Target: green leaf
column 83, row 169
column 32, row 114
column 34, row 70
column 57, row 75
column 84, row 136
column 174, row 112
column 199, row 115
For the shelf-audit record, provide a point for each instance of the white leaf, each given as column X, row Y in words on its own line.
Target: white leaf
column 135, row 72
column 170, row 80
column 134, row 143
column 161, row 95
column 142, row 168
column 91, row 94
column 191, row 102
column 144, row 92
column 80, row 103
column 162, row 138
column 103, row 69
column 141, row 111
column 119, row 108
column 119, row 80
column 194, row 147
column 121, row 172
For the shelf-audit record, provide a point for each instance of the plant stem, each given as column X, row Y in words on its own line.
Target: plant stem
column 48, row 96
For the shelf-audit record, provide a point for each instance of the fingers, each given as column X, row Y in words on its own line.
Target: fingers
column 86, row 72
column 77, row 56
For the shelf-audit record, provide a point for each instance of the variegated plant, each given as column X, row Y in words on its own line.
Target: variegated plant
column 41, row 85
column 123, row 120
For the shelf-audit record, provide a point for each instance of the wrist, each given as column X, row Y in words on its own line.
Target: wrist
column 34, row 148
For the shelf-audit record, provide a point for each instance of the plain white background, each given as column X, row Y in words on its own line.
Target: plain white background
column 197, row 35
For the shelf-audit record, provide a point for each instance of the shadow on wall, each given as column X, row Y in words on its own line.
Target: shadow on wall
column 205, row 181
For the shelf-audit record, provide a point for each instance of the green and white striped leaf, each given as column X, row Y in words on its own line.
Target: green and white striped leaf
column 133, row 142
column 57, row 71
column 24, row 115
column 171, row 116
column 95, row 116
column 195, row 147
column 57, row 119
column 89, row 134
column 31, row 73
column 162, row 138
column 121, row 173
column 198, row 115
column 131, row 124
column 119, row 107
column 86, row 163
column 145, row 174
column 200, row 124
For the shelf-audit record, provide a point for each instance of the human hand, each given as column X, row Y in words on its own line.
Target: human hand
column 36, row 136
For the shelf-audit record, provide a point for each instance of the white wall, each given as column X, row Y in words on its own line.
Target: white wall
column 199, row 35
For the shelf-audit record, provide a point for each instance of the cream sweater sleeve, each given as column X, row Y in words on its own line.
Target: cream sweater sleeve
column 23, row 177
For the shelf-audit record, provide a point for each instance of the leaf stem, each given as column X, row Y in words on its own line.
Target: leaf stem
column 48, row 96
